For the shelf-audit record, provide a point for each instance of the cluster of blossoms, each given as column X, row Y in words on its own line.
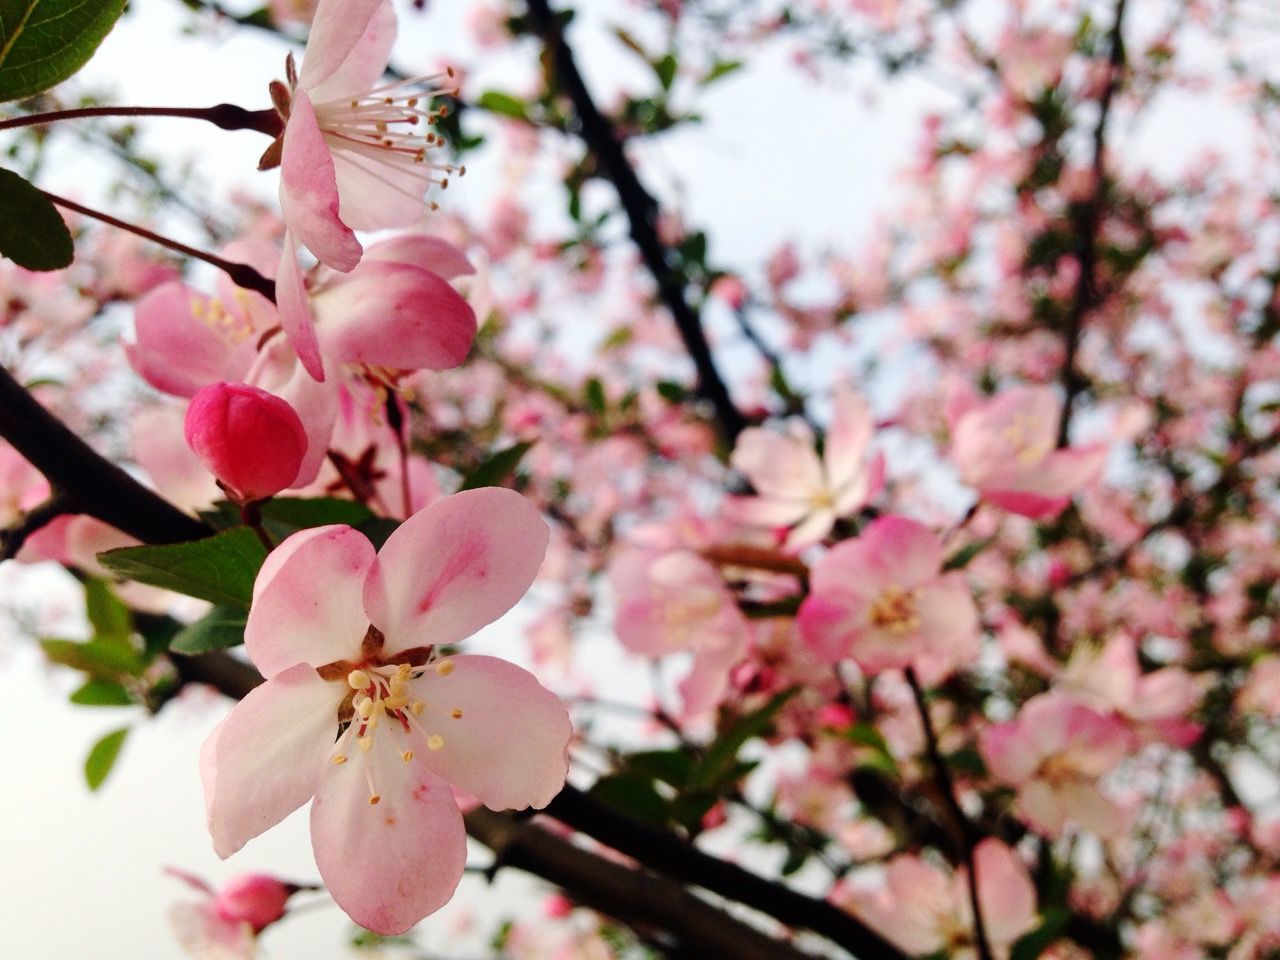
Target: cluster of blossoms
column 1001, row 605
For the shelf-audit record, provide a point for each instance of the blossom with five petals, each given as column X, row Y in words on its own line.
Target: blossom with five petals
column 361, row 712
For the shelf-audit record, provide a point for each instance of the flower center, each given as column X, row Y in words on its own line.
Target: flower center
column 381, row 699
column 233, row 326
column 895, row 610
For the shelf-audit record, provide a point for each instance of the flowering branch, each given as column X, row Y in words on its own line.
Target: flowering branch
column 227, row 116
column 642, row 214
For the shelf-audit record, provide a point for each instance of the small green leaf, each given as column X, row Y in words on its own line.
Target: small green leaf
column 497, row 468
column 107, row 614
column 32, row 232
column 42, row 42
column 594, row 397
column 495, row 101
column 378, row 529
column 1030, row 946
column 960, row 559
column 688, row 809
column 670, row 766
column 719, row 764
column 671, row 391
column 220, row 628
column 720, row 69
column 302, row 513
column 98, row 692
column 666, row 68
column 99, row 658
column 102, row 757
column 220, row 569
column 632, row 796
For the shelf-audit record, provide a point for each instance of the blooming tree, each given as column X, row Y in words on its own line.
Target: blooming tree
column 908, row 597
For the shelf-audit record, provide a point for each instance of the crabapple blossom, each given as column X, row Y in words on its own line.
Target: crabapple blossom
column 1006, row 447
column 1054, row 752
column 797, row 489
column 251, row 440
column 354, row 152
column 923, row 911
column 362, row 713
column 882, row 600
column 225, row 923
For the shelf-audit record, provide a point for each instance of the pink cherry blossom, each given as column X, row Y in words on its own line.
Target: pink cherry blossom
column 883, row 601
column 224, row 923
column 797, row 489
column 1054, row 752
column 669, row 601
column 354, row 152
column 923, row 910
column 1006, row 448
column 360, row 712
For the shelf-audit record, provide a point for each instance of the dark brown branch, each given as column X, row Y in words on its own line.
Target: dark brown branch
column 96, row 486
column 642, row 215
column 1086, row 293
column 12, row 539
column 226, row 116
column 967, row 835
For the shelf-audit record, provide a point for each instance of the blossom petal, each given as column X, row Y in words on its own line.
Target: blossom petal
column 306, row 601
column 1005, row 892
column 264, row 760
column 379, row 188
column 471, row 706
column 295, row 311
column 423, row 250
column 387, row 864
column 309, row 190
column 348, row 47
column 455, row 566
column 174, row 350
column 847, row 441
column 396, row 316
column 779, row 465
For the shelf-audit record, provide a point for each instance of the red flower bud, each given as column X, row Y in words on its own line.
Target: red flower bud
column 254, row 898
column 251, row 440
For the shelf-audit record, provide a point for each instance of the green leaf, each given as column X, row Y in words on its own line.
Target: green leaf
column 497, row 468
column 98, row 692
column 1030, row 946
column 593, row 395
column 719, row 69
column 720, row 761
column 960, row 559
column 220, row 569
column 632, row 796
column 495, row 101
column 666, row 68
column 99, row 658
column 378, row 529
column 670, row 766
column 671, row 391
column 42, row 42
column 102, row 757
column 32, row 232
column 302, row 513
column 107, row 614
column 688, row 809
column 220, row 628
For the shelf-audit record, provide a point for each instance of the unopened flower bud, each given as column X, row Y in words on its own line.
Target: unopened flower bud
column 253, row 898
column 251, row 440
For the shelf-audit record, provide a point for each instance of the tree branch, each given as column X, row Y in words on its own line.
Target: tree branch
column 642, row 215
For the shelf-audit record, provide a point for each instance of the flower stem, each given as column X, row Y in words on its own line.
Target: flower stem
column 227, row 116
column 241, row 274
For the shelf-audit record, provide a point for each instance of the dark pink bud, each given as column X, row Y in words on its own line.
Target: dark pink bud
column 835, row 716
column 254, row 898
column 251, row 440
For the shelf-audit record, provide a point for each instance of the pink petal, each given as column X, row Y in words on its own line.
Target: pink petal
column 505, row 765
column 309, row 190
column 422, row 250
column 1033, row 505
column 901, row 552
column 705, row 686
column 348, row 47
column 173, row 350
column 1005, row 892
column 295, row 311
column 264, row 760
column 811, row 530
column 389, row 864
column 317, row 405
column 455, row 566
column 779, row 465
column 306, row 601
column 397, row 316
column 766, row 512
column 378, row 188
column 847, row 440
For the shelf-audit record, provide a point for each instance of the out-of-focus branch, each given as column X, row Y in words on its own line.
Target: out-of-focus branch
column 12, row 539
column 1086, row 293
column 93, row 484
column 642, row 214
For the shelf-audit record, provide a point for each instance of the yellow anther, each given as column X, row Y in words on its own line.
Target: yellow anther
column 365, row 708
column 435, row 742
column 407, row 756
column 455, row 713
column 339, row 758
column 373, row 801
column 397, row 702
column 357, row 679
column 403, row 671
column 417, row 707
column 444, row 667
column 366, row 743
